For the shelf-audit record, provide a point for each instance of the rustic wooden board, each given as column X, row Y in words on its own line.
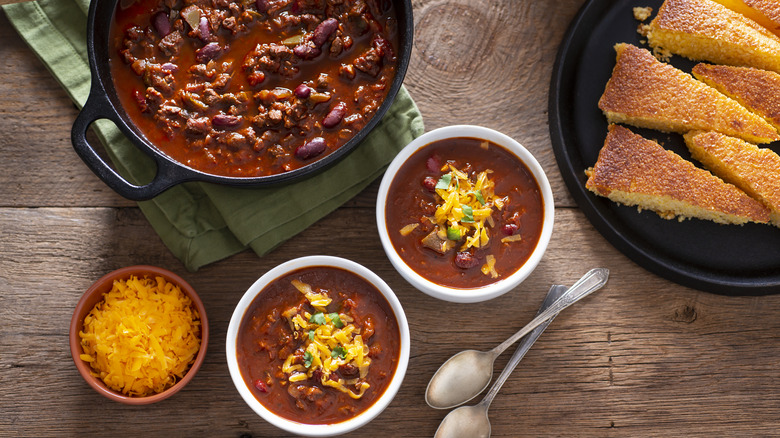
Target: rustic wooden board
column 39, row 166
column 642, row 357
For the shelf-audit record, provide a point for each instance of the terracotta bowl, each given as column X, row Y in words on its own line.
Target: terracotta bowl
column 94, row 294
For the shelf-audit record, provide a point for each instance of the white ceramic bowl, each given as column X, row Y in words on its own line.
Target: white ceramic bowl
column 492, row 290
column 318, row 430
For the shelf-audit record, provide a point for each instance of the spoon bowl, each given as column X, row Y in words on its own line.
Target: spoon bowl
column 466, row 374
column 441, row 391
column 473, row 421
column 466, row 421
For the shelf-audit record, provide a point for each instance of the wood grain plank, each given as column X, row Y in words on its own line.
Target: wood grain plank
column 626, row 361
column 495, row 74
column 39, row 166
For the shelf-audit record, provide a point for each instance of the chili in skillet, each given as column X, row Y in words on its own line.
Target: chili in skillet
column 247, row 88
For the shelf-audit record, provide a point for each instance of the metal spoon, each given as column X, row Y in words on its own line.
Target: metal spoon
column 458, row 393
column 448, row 387
column 472, row 421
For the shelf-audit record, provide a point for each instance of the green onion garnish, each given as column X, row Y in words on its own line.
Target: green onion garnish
column 338, row 352
column 468, row 214
column 478, row 195
column 307, row 358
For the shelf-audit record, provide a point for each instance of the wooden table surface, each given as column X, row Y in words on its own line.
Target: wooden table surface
column 641, row 357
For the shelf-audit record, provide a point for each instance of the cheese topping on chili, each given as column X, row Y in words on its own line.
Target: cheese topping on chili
column 331, row 340
column 466, row 210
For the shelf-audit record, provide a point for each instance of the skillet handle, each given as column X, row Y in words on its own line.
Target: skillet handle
column 96, row 108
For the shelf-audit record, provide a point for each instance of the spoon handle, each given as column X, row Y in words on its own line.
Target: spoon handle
column 592, row 281
column 555, row 292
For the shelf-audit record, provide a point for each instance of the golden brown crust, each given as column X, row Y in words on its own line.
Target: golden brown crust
column 706, row 30
column 647, row 93
column 754, row 170
column 764, row 12
column 640, row 170
column 758, row 90
column 770, row 8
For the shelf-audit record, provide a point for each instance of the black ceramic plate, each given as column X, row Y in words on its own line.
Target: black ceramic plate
column 724, row 259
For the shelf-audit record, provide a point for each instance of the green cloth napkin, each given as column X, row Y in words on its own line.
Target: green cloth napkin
column 200, row 222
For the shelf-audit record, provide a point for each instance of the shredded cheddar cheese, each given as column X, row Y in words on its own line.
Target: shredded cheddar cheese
column 466, row 206
column 406, row 230
column 142, row 337
column 512, row 238
column 466, row 211
column 330, row 341
column 489, row 268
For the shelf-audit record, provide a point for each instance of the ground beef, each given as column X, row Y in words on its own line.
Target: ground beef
column 269, row 58
column 171, row 44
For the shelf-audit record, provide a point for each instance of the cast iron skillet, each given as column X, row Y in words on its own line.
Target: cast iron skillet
column 723, row 259
column 103, row 103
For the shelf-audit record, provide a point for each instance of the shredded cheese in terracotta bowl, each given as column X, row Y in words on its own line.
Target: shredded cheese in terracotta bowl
column 139, row 334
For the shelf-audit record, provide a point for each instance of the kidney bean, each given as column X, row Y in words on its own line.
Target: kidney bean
column 161, row 23
column 208, row 52
column 368, row 328
column 383, row 47
column 261, row 386
column 203, row 26
column 225, row 121
column 303, row 91
column 306, row 51
column 335, row 115
column 430, row 183
column 169, row 67
column 349, row 371
column 310, row 149
column 261, row 5
column 509, row 229
column 465, row 260
column 324, row 30
column 140, row 99
column 433, row 163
